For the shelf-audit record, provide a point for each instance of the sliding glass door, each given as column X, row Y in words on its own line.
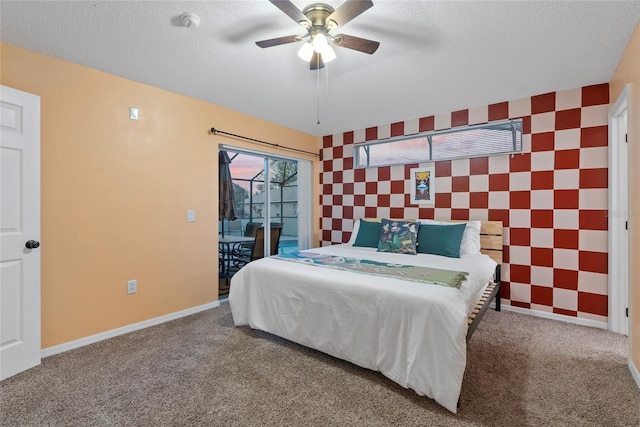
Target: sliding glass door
column 267, row 193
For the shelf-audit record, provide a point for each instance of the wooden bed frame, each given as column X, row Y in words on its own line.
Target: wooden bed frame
column 490, row 244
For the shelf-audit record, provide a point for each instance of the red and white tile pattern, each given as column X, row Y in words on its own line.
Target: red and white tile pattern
column 552, row 199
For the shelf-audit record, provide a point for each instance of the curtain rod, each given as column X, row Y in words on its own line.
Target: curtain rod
column 217, row 131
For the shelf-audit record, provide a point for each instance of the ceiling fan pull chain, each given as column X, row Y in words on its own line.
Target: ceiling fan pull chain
column 326, row 74
column 318, row 89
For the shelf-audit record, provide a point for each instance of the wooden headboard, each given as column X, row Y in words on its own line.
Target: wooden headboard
column 490, row 236
column 490, row 239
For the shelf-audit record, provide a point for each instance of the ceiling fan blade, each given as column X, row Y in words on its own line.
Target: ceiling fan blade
column 278, row 41
column 349, row 10
column 356, row 43
column 292, row 11
column 316, row 62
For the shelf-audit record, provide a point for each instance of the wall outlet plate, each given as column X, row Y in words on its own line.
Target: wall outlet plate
column 132, row 286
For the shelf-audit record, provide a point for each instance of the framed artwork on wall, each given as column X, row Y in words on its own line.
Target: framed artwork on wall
column 423, row 186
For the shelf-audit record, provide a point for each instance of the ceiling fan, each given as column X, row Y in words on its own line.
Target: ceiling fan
column 319, row 19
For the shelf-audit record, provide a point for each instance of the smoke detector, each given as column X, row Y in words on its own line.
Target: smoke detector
column 190, row 20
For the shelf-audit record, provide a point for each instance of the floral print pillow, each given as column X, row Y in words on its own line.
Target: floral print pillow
column 398, row 237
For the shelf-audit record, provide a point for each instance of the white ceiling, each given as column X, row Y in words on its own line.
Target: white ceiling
column 434, row 57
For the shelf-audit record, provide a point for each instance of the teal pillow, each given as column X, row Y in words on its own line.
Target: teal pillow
column 440, row 239
column 368, row 234
column 398, row 237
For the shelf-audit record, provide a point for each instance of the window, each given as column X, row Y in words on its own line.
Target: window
column 472, row 141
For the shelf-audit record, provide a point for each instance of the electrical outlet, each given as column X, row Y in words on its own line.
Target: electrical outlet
column 132, row 286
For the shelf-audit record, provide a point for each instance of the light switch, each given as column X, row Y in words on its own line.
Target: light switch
column 133, row 113
column 191, row 215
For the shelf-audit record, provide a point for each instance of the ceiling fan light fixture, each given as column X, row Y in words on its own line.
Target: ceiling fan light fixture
column 328, row 54
column 319, row 19
column 306, row 52
column 319, row 42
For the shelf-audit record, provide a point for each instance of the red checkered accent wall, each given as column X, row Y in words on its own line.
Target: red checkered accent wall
column 552, row 199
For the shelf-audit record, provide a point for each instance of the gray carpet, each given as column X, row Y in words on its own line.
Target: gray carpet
column 201, row 370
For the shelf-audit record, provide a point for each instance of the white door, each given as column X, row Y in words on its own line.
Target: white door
column 19, row 229
column 624, row 235
column 618, row 216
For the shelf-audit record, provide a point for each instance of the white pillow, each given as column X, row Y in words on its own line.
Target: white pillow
column 354, row 233
column 470, row 244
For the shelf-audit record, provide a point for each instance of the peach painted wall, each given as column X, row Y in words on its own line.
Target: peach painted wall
column 628, row 72
column 115, row 194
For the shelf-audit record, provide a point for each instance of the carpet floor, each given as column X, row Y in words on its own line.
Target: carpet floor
column 201, row 370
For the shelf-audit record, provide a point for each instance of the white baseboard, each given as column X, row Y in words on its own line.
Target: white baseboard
column 554, row 316
column 634, row 372
column 71, row 345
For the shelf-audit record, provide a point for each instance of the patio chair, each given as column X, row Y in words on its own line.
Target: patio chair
column 244, row 249
column 257, row 249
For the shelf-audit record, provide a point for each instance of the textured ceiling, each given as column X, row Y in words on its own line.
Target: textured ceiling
column 434, row 57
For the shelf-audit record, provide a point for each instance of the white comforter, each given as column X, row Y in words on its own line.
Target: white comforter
column 413, row 333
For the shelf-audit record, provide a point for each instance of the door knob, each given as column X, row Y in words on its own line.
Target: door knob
column 32, row 244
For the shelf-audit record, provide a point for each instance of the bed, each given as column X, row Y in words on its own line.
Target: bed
column 412, row 332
